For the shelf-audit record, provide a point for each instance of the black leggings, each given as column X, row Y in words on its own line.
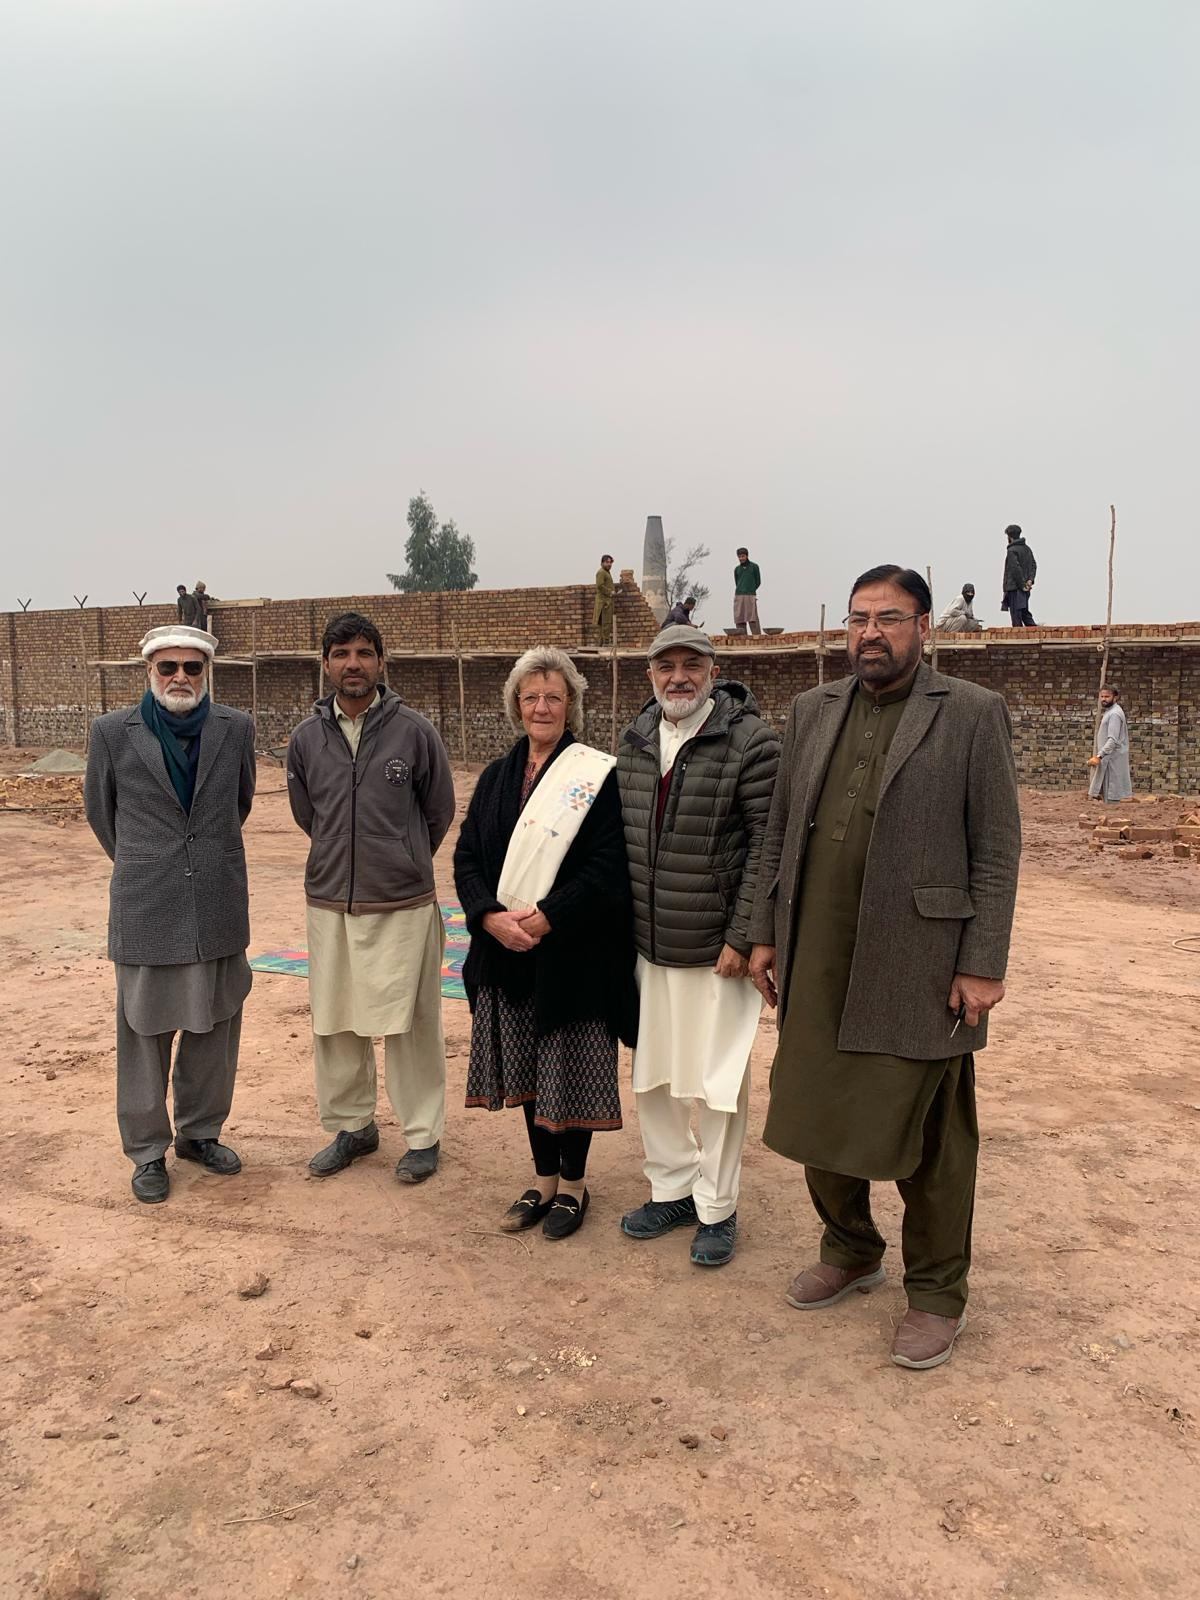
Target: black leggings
column 557, row 1155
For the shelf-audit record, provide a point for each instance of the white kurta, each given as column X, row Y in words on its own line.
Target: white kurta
column 364, row 971
column 695, row 1030
column 1111, row 780
column 695, row 1033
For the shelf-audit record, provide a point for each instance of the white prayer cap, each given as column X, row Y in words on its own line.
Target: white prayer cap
column 176, row 637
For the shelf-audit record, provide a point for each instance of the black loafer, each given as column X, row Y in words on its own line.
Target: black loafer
column 347, row 1147
column 526, row 1212
column 657, row 1217
column 211, row 1155
column 150, row 1182
column 565, row 1216
column 417, row 1165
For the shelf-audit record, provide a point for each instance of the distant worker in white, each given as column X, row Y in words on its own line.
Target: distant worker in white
column 1111, row 779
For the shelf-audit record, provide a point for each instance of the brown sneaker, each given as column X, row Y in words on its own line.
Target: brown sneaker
column 925, row 1340
column 825, row 1285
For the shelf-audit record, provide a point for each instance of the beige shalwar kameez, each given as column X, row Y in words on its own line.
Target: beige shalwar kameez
column 378, row 975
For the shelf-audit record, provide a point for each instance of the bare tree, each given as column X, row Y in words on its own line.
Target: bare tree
column 680, row 583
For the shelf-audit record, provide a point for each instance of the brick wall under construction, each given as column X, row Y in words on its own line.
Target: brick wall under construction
column 59, row 668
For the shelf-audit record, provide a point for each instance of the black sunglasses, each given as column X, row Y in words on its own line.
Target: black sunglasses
column 168, row 669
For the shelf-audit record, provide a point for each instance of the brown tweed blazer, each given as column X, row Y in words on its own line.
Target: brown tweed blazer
column 941, row 873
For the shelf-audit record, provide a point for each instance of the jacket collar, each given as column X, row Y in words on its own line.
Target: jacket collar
column 731, row 702
column 388, row 703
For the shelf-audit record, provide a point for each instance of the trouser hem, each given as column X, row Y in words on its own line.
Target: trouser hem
column 833, row 1257
column 149, row 1153
column 347, row 1124
column 657, row 1193
column 944, row 1304
column 708, row 1221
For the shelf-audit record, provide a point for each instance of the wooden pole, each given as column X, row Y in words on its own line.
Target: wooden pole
column 821, row 648
column 254, row 668
column 1112, row 544
column 87, row 687
column 933, row 633
column 462, row 693
column 616, row 671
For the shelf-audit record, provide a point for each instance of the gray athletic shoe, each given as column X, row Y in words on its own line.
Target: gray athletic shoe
column 657, row 1217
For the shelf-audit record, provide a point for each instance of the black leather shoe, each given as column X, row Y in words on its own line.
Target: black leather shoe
column 526, row 1212
column 565, row 1216
column 150, row 1182
column 347, row 1147
column 417, row 1165
column 212, row 1156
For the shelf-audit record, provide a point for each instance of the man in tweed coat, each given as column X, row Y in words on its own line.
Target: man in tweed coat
column 169, row 784
column 695, row 772
column 882, row 927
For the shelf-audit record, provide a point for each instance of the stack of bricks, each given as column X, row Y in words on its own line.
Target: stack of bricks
column 1048, row 676
column 1135, row 841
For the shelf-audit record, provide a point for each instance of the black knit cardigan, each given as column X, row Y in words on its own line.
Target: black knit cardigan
column 583, row 968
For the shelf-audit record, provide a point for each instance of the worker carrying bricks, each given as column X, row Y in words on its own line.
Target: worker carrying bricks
column 606, row 591
column 747, row 580
column 1111, row 779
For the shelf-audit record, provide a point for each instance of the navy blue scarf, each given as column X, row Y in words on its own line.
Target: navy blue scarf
column 169, row 729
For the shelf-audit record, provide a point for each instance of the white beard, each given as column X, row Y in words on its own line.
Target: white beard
column 180, row 704
column 676, row 710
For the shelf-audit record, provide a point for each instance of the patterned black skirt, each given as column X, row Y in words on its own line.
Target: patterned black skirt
column 570, row 1074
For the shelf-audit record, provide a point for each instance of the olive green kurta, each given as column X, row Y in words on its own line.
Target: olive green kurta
column 858, row 1114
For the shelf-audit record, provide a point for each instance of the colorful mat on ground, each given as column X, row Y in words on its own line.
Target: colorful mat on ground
column 458, row 941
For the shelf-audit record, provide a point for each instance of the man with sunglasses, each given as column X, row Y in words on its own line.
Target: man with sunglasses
column 881, row 929
column 169, row 784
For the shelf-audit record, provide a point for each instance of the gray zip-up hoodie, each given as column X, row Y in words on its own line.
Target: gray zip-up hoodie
column 375, row 820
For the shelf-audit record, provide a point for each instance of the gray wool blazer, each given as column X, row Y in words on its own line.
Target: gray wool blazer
column 941, row 876
column 178, row 890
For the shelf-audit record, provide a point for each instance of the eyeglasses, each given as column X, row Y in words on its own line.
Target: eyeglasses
column 528, row 702
column 168, row 669
column 887, row 620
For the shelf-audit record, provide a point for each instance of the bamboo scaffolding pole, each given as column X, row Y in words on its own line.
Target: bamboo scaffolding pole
column 616, row 679
column 821, row 647
column 254, row 666
column 462, row 693
column 1112, row 545
column 933, row 633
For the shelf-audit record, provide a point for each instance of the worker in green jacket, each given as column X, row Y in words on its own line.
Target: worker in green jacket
column 606, row 589
column 746, row 582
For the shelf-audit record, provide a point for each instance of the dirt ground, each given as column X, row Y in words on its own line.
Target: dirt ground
column 594, row 1419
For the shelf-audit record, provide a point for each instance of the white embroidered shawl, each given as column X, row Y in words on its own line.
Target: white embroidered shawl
column 547, row 826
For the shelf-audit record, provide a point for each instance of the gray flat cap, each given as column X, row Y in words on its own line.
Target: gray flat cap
column 681, row 634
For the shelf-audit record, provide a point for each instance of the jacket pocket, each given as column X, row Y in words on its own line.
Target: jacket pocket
column 943, row 900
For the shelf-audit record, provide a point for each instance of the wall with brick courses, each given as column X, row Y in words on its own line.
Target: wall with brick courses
column 1047, row 676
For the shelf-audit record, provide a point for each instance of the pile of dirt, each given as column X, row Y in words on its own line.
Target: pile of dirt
column 56, row 761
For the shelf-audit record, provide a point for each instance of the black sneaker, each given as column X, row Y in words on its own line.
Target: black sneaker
column 209, row 1153
column 150, row 1181
column 714, row 1243
column 347, row 1147
column 657, row 1217
column 417, row 1165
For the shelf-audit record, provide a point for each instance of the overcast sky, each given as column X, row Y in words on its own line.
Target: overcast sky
column 845, row 283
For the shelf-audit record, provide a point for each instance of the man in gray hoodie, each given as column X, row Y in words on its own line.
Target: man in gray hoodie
column 369, row 782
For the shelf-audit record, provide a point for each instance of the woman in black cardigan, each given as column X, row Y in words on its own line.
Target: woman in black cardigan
column 552, row 989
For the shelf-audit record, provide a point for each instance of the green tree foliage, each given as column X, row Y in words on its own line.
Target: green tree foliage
column 439, row 557
column 680, row 582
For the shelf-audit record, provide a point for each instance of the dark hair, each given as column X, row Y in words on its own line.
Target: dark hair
column 1112, row 689
column 606, row 557
column 181, row 588
column 1013, row 530
column 741, row 551
column 690, row 601
column 350, row 625
column 911, row 582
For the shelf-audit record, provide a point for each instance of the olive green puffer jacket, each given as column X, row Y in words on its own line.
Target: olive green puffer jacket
column 693, row 883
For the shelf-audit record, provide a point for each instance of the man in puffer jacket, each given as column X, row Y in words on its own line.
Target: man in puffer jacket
column 695, row 771
column 370, row 783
